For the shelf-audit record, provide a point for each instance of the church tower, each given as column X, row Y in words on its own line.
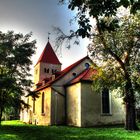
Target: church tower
column 47, row 65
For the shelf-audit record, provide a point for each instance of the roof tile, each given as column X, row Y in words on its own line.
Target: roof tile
column 86, row 75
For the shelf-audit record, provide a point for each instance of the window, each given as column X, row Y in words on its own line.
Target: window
column 105, row 101
column 87, row 65
column 74, row 74
column 48, row 70
column 33, row 105
column 42, row 106
column 52, row 71
column 45, row 70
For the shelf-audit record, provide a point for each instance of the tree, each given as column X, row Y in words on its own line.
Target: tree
column 124, row 43
column 116, row 41
column 15, row 60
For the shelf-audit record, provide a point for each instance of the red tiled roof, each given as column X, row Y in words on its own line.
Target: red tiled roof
column 86, row 75
column 63, row 72
column 66, row 70
column 48, row 55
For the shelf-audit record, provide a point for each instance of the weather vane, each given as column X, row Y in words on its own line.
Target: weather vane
column 49, row 36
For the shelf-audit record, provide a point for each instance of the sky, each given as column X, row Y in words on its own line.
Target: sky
column 39, row 17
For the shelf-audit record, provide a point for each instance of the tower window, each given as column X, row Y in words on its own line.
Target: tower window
column 45, row 70
column 52, row 71
column 48, row 70
column 105, row 101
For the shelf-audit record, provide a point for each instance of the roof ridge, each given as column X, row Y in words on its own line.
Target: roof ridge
column 75, row 63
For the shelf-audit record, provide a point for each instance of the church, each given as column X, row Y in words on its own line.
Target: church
column 66, row 97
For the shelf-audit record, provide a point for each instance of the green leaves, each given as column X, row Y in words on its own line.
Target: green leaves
column 16, row 51
column 124, row 3
column 84, row 27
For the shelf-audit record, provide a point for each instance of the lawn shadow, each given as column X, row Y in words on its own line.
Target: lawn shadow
column 33, row 132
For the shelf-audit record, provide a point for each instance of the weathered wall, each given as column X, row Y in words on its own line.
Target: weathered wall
column 36, row 73
column 57, row 108
column 40, row 75
column 73, row 102
column 38, row 117
column 91, row 108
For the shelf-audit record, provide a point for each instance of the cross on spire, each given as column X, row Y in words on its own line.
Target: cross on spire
column 49, row 36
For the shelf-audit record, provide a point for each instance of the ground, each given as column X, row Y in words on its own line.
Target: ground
column 16, row 130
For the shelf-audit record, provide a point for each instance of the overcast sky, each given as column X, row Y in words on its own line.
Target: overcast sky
column 39, row 16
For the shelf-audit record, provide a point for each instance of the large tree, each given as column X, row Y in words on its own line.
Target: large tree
column 16, row 51
column 122, row 70
column 115, row 40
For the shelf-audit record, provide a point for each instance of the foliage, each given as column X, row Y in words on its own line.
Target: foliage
column 116, row 42
column 124, row 42
column 98, row 9
column 15, row 60
column 15, row 130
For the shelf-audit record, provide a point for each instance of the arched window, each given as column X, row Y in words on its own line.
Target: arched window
column 52, row 71
column 48, row 70
column 105, row 101
column 42, row 106
column 87, row 65
column 45, row 70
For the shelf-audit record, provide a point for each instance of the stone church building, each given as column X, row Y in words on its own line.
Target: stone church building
column 66, row 96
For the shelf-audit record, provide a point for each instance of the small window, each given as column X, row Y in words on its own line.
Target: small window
column 52, row 71
column 74, row 74
column 45, row 70
column 48, row 70
column 87, row 65
column 105, row 101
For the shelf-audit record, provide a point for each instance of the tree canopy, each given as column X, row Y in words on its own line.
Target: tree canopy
column 16, row 51
column 116, row 43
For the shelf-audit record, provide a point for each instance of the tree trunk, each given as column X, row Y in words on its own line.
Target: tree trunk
column 130, row 123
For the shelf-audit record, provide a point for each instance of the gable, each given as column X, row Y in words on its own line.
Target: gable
column 69, row 73
column 73, row 72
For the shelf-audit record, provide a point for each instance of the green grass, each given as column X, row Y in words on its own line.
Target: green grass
column 16, row 130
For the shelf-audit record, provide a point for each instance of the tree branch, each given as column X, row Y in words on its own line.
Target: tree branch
column 115, row 56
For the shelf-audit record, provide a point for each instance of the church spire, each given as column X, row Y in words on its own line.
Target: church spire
column 47, row 64
column 48, row 55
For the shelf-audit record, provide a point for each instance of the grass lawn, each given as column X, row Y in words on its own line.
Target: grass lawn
column 16, row 130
